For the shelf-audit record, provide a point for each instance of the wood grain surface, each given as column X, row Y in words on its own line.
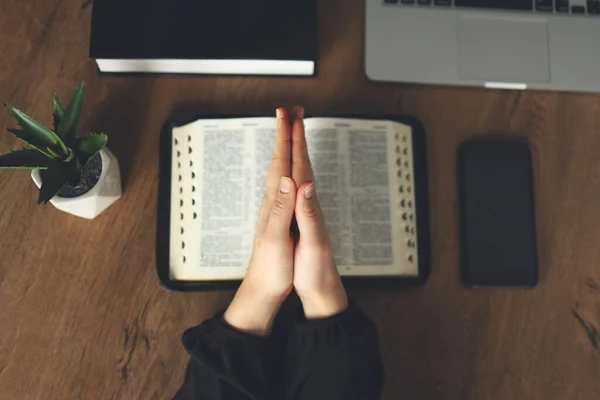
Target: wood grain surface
column 82, row 315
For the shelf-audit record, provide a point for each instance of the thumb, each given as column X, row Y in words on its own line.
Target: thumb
column 282, row 210
column 309, row 217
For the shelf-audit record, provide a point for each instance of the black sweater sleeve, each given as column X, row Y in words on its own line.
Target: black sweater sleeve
column 334, row 358
column 226, row 364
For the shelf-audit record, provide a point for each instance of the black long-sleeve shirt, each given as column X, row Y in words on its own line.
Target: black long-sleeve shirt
column 333, row 358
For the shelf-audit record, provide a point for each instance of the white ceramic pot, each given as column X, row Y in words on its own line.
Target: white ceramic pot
column 106, row 191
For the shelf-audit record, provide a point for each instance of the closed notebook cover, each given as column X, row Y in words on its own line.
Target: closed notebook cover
column 204, row 29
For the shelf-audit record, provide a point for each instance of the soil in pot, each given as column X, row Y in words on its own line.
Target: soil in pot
column 89, row 178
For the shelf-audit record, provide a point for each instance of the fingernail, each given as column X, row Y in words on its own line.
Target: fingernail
column 299, row 111
column 279, row 113
column 309, row 191
column 285, row 185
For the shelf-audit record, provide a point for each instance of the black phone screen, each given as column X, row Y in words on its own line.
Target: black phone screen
column 498, row 240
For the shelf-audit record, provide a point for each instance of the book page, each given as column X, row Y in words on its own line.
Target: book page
column 357, row 178
column 220, row 192
column 218, row 181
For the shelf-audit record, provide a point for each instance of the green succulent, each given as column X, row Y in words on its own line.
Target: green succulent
column 59, row 151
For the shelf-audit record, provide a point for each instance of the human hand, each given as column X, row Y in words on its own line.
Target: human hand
column 270, row 270
column 316, row 278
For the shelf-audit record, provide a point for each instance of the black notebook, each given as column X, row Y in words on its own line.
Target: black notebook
column 370, row 176
column 266, row 37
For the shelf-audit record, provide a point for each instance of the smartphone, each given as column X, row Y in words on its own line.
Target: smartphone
column 497, row 215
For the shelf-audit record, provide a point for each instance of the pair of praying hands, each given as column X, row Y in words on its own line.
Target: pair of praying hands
column 279, row 263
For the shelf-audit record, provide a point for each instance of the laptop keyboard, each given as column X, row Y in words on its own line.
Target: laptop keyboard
column 589, row 7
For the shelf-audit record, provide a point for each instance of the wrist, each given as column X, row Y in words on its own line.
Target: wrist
column 326, row 304
column 252, row 310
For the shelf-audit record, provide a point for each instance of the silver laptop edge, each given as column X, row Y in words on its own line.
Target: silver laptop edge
column 490, row 48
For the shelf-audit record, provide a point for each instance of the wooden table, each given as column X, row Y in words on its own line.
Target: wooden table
column 82, row 315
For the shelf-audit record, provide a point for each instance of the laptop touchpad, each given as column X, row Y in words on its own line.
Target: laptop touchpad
column 503, row 50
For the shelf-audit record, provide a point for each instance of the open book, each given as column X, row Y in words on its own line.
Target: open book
column 365, row 179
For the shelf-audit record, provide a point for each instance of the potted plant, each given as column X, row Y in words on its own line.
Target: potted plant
column 75, row 172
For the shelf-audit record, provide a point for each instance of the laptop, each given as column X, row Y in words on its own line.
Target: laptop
column 510, row 44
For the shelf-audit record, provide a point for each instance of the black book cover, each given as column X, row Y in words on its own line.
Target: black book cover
column 204, row 29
